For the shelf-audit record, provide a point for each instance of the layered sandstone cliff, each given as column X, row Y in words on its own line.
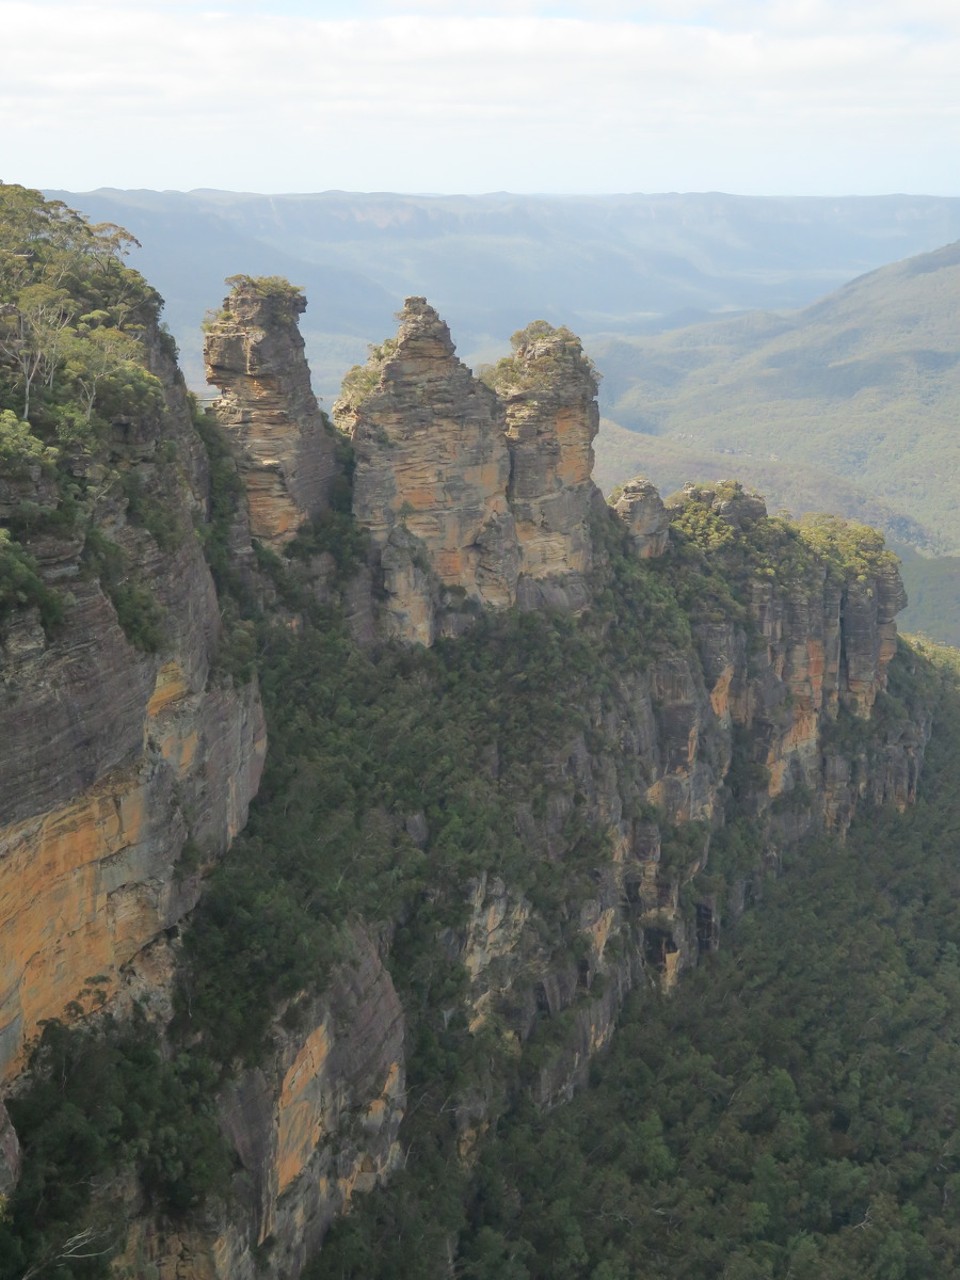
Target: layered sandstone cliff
column 431, row 476
column 758, row 717
column 118, row 745
column 286, row 454
column 549, row 392
column 473, row 497
column 641, row 508
column 313, row 1125
column 734, row 699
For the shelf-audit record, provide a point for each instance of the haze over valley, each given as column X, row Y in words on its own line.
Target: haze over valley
column 777, row 341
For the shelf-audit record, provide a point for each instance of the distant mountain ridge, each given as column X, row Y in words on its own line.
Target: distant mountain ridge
column 846, row 406
column 617, row 264
column 863, row 387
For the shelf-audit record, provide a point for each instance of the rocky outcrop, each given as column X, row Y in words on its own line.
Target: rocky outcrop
column 118, row 745
column 761, row 711
column 868, row 610
column 641, row 509
column 311, row 1127
column 431, row 476
column 286, row 454
column 548, row 389
column 473, row 498
column 121, row 747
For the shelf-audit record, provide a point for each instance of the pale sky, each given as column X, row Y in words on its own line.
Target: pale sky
column 757, row 97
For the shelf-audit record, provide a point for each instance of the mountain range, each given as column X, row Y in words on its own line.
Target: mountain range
column 619, row 264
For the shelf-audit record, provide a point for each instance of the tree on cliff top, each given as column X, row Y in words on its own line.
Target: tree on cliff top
column 61, row 279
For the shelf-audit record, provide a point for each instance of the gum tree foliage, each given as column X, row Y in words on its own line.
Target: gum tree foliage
column 62, row 282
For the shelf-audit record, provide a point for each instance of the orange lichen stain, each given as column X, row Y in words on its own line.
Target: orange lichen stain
column 300, row 1108
column 450, row 566
column 720, row 694
column 816, row 666
column 573, row 435
column 599, row 932
column 656, row 793
column 171, row 685
column 671, row 970
column 777, row 770
column 481, row 1012
column 56, row 925
column 423, row 499
column 273, row 514
column 180, row 751
column 799, row 740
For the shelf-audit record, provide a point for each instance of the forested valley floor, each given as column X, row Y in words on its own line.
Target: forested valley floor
column 790, row 1111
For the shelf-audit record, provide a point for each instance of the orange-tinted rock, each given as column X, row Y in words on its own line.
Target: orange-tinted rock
column 431, row 475
column 112, row 756
column 549, row 389
column 641, row 509
column 471, row 497
column 312, row 1127
column 285, row 452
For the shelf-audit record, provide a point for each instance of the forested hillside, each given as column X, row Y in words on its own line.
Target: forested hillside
column 845, row 407
column 789, row 1111
column 861, row 388
column 605, row 265
column 363, row 787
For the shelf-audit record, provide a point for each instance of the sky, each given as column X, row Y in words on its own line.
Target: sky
column 755, row 97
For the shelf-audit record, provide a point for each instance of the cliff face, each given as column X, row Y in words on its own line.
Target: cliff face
column 472, row 497
column 114, row 756
column 641, row 508
column 549, row 392
column 431, row 476
column 254, row 353
column 311, row 1127
column 718, row 675
column 758, row 716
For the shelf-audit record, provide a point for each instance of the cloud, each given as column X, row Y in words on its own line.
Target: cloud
column 176, row 94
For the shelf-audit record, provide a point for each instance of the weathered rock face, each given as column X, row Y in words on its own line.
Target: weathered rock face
column 756, row 705
column 868, row 610
column 112, row 757
column 286, row 454
column 431, row 476
column 9, row 1154
column 473, row 497
column 641, row 509
column 549, row 389
column 314, row 1125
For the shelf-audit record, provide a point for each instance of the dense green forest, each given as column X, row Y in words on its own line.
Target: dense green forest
column 848, row 405
column 789, row 1112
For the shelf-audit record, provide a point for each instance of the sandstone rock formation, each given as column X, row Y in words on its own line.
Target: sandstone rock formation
column 641, row 508
column 286, row 454
column 112, row 755
column 431, row 475
column 312, row 1126
column 472, row 497
column 549, row 389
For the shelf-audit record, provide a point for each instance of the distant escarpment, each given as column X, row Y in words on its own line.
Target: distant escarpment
column 528, row 752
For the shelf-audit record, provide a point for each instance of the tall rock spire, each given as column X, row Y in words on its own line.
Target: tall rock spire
column 431, row 476
column 286, row 455
column 549, row 392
